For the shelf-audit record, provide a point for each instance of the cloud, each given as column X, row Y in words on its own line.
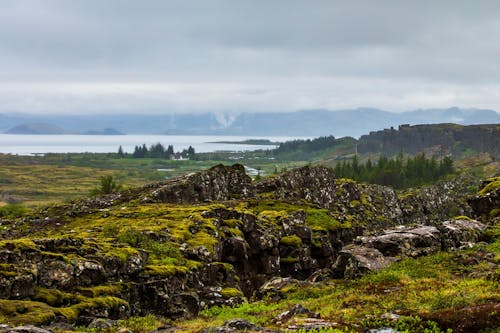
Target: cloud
column 120, row 56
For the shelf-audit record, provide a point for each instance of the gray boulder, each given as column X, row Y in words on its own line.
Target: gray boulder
column 405, row 242
column 461, row 231
column 355, row 260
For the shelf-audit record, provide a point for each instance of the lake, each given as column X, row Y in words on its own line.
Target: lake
column 40, row 144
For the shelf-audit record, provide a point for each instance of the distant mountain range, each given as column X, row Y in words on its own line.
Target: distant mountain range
column 312, row 123
column 36, row 128
column 44, row 128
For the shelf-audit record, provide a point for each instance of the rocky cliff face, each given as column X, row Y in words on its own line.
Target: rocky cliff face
column 445, row 138
column 213, row 238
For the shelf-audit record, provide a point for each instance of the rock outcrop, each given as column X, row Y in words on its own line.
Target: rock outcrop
column 486, row 203
column 216, row 184
column 373, row 253
column 215, row 237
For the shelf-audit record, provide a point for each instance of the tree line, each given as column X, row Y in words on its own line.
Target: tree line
column 158, row 151
column 320, row 143
column 310, row 148
column 397, row 172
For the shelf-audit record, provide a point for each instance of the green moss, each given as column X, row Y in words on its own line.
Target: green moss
column 272, row 206
column 495, row 212
column 344, row 180
column 231, row 292
column 22, row 312
column 364, row 199
column 102, row 290
column 235, row 232
column 272, row 215
column 232, row 223
column 289, row 260
column 110, row 230
column 227, row 267
column 121, row 252
column 493, row 184
column 267, row 195
column 462, row 217
column 148, row 323
column 53, row 297
column 20, row 244
column 10, row 270
column 132, row 237
column 106, row 303
column 317, row 240
column 7, row 273
column 167, row 249
column 354, row 203
column 165, row 270
column 202, row 238
column 320, row 219
column 293, row 241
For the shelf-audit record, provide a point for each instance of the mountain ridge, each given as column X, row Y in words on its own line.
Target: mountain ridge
column 315, row 122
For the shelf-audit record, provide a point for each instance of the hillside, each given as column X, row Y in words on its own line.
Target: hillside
column 437, row 140
column 333, row 253
column 441, row 139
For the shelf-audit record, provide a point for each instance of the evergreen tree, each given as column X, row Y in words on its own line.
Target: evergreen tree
column 157, row 150
column 107, row 185
column 140, row 151
column 446, row 166
column 396, row 172
column 137, row 152
column 170, row 151
column 190, row 152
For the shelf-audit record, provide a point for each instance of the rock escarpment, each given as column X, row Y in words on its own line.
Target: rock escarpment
column 445, row 138
column 213, row 238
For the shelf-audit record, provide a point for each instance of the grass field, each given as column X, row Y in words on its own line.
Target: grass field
column 40, row 180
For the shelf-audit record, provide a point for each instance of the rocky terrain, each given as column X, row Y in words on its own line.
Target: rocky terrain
column 216, row 238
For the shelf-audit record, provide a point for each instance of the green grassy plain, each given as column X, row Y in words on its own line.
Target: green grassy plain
column 41, row 180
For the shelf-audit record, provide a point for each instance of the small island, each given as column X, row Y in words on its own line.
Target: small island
column 106, row 131
column 36, row 128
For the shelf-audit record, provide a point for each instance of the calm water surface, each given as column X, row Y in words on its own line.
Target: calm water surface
column 39, row 144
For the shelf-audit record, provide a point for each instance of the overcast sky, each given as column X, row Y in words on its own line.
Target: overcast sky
column 92, row 56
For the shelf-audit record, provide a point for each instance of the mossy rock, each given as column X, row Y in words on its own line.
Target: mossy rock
column 102, row 290
column 20, row 244
column 321, row 219
column 22, row 312
column 272, row 215
column 87, row 305
column 235, row 232
column 231, row 292
column 293, row 241
column 54, row 297
column 492, row 185
column 232, row 223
